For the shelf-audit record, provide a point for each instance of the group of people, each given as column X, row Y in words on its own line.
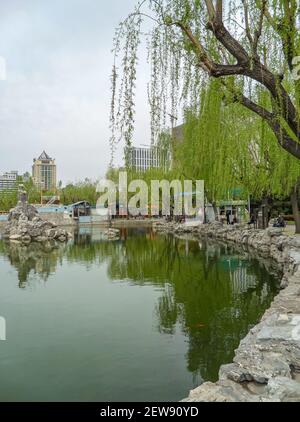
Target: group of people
column 279, row 222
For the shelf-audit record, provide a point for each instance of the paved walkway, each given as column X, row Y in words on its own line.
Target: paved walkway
column 290, row 230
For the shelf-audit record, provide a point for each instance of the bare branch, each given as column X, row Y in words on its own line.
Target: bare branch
column 210, row 9
column 271, row 20
column 146, row 16
column 283, row 138
column 258, row 31
column 229, row 42
column 246, row 15
column 257, row 109
column 219, row 10
column 238, row 96
column 203, row 57
column 205, row 62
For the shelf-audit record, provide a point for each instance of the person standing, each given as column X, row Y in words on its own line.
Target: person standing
column 228, row 217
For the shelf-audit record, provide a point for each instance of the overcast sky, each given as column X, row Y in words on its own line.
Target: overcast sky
column 57, row 92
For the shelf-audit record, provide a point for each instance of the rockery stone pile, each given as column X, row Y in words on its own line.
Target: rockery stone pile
column 25, row 225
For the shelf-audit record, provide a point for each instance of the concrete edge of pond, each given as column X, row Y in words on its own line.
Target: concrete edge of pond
column 266, row 366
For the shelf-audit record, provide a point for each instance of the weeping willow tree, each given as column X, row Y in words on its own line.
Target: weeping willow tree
column 206, row 151
column 251, row 48
column 231, row 148
column 244, row 43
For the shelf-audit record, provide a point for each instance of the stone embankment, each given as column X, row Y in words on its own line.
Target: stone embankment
column 25, row 225
column 266, row 366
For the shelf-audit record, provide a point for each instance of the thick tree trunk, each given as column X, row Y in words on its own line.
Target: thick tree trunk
column 266, row 208
column 215, row 208
column 295, row 206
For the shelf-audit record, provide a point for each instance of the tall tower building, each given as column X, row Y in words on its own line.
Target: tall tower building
column 44, row 172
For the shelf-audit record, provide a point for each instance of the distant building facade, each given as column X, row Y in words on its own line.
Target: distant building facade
column 177, row 133
column 142, row 159
column 44, row 172
column 8, row 181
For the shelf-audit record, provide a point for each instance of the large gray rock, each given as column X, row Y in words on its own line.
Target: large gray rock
column 284, row 389
column 25, row 225
column 24, row 212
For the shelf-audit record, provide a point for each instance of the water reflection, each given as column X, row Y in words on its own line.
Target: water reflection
column 35, row 258
column 209, row 291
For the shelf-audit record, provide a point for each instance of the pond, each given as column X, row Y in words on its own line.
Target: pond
column 144, row 318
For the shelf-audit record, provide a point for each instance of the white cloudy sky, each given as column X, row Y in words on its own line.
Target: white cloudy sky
column 57, row 92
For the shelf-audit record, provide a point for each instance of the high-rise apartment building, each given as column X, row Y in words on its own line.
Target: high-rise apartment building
column 44, row 172
column 142, row 159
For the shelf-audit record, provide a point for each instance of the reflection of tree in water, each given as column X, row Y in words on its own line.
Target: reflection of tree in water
column 213, row 313
column 36, row 258
column 211, row 291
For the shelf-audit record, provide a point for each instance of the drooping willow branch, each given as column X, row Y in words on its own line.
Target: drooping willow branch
column 190, row 42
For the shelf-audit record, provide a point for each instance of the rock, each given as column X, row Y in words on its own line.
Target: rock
column 295, row 256
column 15, row 237
column 222, row 391
column 112, row 234
column 23, row 211
column 234, row 372
column 284, row 389
column 35, row 232
column 41, row 239
column 284, row 283
column 23, row 218
column 294, row 242
column 25, row 225
column 274, row 231
column 51, row 233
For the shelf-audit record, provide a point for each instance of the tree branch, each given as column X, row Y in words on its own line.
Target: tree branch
column 286, row 29
column 246, row 102
column 246, row 16
column 219, row 10
column 210, row 9
column 257, row 109
column 283, row 138
column 213, row 68
column 228, row 41
column 204, row 60
column 273, row 120
column 254, row 69
column 258, row 31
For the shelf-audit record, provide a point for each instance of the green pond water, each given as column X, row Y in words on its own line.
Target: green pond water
column 144, row 318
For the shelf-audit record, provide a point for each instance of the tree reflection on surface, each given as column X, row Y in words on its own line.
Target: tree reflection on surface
column 211, row 292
